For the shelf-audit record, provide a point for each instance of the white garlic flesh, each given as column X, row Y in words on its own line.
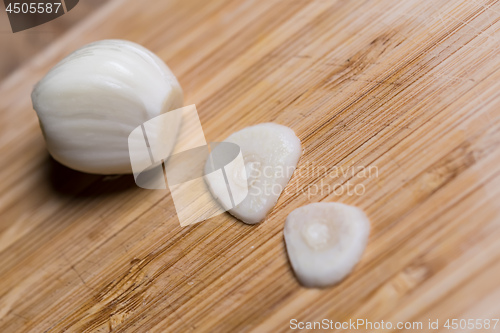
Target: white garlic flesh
column 325, row 241
column 90, row 102
column 270, row 155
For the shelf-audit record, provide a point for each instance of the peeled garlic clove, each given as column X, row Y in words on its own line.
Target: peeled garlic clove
column 270, row 154
column 325, row 241
column 90, row 102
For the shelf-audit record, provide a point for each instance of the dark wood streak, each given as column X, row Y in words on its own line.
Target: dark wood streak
column 404, row 86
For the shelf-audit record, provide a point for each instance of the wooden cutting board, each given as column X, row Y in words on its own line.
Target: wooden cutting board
column 408, row 88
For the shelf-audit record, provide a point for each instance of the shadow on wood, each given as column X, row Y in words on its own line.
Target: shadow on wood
column 68, row 182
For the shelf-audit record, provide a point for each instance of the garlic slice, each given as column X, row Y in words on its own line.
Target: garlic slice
column 325, row 241
column 89, row 103
column 270, row 155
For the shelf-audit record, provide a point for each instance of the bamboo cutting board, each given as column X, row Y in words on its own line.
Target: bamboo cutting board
column 409, row 88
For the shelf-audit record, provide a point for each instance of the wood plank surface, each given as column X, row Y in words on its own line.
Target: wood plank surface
column 410, row 88
column 23, row 45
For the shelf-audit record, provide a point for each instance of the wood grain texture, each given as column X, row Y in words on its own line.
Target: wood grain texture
column 409, row 87
column 20, row 47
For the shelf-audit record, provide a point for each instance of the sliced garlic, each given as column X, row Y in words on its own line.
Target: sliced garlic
column 325, row 241
column 89, row 103
column 270, row 155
